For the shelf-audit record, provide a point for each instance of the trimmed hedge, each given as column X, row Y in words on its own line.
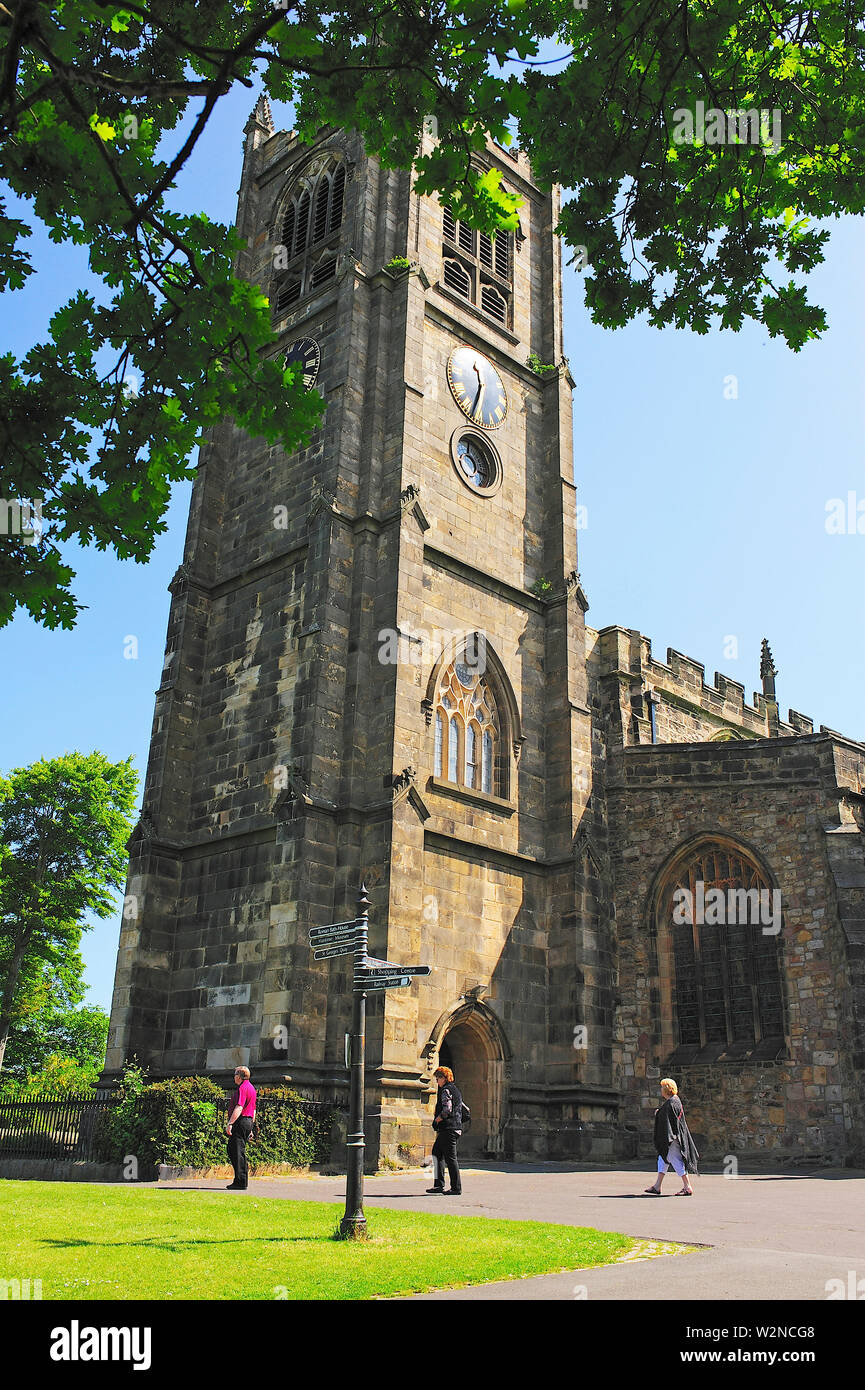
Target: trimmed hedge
column 182, row 1123
column 174, row 1122
column 286, row 1133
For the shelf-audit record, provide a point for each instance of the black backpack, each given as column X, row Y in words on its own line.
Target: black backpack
column 465, row 1116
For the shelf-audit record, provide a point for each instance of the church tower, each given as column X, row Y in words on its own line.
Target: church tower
column 375, row 669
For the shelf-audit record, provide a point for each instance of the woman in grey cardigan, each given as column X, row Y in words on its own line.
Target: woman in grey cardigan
column 673, row 1141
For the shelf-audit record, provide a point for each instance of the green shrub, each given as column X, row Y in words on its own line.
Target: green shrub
column 538, row 367
column 117, row 1132
column 182, row 1119
column 541, row 588
column 182, row 1123
column 287, row 1134
column 174, row 1122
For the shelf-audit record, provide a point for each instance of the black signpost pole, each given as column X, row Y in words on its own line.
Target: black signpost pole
column 353, row 1223
column 352, row 939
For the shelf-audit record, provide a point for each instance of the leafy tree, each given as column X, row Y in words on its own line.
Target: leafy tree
column 44, row 988
column 64, row 823
column 57, row 1075
column 74, row 1037
column 82, row 1034
column 689, row 233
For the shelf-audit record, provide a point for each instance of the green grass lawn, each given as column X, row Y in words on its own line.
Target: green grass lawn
column 90, row 1242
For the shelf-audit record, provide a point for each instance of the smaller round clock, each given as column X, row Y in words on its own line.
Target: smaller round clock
column 474, row 463
column 308, row 353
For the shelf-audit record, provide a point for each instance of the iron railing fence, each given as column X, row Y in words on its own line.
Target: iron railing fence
column 63, row 1127
column 55, row 1127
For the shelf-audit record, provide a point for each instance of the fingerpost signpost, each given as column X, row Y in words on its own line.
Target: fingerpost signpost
column 351, row 939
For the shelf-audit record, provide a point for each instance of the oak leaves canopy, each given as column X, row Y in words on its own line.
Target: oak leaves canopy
column 100, row 419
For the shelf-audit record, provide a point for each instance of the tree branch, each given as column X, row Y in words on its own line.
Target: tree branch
column 219, row 87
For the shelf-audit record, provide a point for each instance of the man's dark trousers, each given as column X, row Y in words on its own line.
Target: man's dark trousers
column 445, row 1152
column 240, row 1132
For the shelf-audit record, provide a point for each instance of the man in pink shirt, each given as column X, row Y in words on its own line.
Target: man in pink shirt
column 239, row 1127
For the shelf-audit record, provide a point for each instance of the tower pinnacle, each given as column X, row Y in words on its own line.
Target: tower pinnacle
column 767, row 669
column 261, row 116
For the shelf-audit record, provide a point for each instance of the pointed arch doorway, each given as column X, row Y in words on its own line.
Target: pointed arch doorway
column 470, row 1041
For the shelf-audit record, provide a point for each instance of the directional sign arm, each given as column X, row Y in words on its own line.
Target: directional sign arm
column 338, row 939
column 392, row 982
column 372, row 972
column 337, row 929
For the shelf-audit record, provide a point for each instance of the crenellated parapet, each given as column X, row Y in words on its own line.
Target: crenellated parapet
column 671, row 702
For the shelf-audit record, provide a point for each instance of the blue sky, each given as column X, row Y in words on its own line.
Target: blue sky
column 706, row 516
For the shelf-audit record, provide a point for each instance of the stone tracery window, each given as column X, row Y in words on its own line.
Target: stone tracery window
column 726, row 982
column 309, row 232
column 468, row 743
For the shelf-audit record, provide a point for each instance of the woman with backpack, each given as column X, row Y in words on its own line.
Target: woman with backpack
column 448, row 1125
column 673, row 1141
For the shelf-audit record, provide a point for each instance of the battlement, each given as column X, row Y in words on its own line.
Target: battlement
column 261, row 132
column 719, row 710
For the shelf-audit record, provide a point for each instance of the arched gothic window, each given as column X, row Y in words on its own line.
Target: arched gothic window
column 468, row 747
column 309, row 233
column 723, row 922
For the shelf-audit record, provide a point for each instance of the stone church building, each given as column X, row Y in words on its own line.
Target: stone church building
column 378, row 667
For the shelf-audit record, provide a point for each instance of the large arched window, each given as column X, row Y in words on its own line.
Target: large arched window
column 308, row 234
column 468, row 742
column 721, row 919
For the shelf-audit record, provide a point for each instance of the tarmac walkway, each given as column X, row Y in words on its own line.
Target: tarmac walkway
column 770, row 1235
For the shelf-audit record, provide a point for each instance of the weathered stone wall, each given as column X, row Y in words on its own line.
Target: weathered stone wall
column 775, row 799
column 217, row 997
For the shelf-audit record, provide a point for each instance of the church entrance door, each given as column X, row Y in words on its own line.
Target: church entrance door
column 471, row 1050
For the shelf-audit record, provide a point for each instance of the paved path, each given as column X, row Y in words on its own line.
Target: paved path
column 772, row 1236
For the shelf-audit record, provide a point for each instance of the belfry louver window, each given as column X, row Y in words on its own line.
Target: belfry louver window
column 478, row 267
column 457, row 278
column 494, row 303
column 306, row 255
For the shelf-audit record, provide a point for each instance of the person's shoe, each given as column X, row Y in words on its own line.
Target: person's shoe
column 234, row 1187
column 454, row 1192
column 439, row 1191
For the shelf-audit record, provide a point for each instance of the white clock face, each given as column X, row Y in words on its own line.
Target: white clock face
column 477, row 388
